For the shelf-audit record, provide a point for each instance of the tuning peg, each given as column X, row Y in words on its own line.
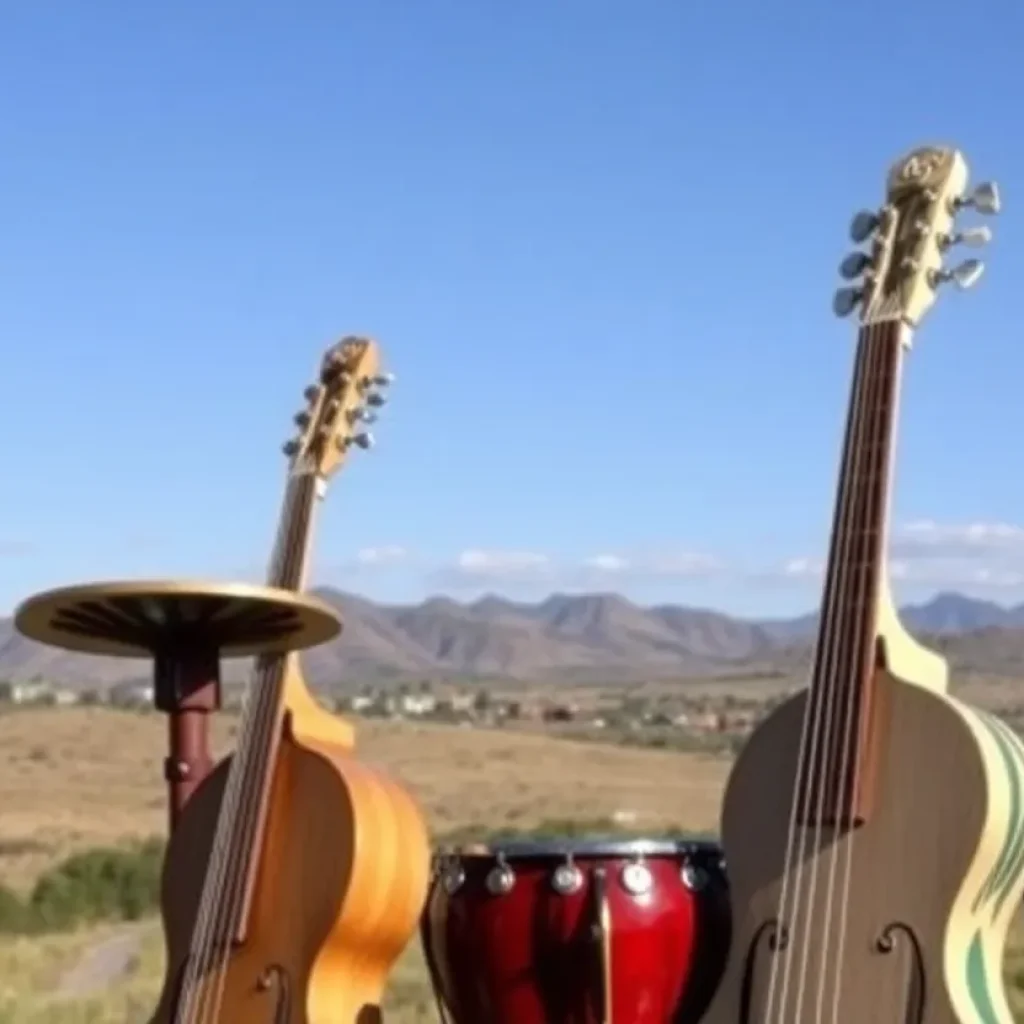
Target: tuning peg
column 964, row 276
column 863, row 226
column 311, row 392
column 984, row 198
column 291, row 448
column 355, row 416
column 381, row 380
column 973, row 237
column 846, row 300
column 301, row 420
column 854, row 265
column 364, row 440
column 375, row 400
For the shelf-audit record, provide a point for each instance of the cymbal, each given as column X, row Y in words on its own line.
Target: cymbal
column 140, row 618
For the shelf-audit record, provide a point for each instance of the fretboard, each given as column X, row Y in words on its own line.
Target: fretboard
column 837, row 784
column 260, row 732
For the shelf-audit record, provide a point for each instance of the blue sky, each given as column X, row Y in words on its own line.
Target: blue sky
column 596, row 241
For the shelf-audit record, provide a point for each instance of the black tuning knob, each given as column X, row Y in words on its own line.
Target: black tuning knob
column 846, row 300
column 854, row 265
column 863, row 226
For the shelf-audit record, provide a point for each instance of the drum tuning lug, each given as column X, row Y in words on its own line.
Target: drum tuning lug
column 567, row 878
column 637, row 879
column 695, row 878
column 453, row 877
column 500, row 879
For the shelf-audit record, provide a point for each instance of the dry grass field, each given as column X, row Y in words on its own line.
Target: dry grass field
column 77, row 778
column 73, row 779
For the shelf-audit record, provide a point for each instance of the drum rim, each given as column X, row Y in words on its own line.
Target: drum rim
column 525, row 849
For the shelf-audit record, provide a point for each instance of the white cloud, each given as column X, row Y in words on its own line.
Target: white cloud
column 388, row 554
column 923, row 554
column 941, row 555
column 666, row 565
column 606, row 563
column 502, row 566
column 682, row 564
column 802, row 569
column 926, row 538
column 481, row 564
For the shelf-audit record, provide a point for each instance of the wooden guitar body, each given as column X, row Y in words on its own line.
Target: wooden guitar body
column 873, row 826
column 340, row 885
column 936, row 875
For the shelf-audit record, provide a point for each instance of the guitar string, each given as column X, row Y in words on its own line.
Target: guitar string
column 807, row 747
column 221, row 861
column 209, row 944
column 852, row 666
column 809, row 727
column 812, row 838
column 216, row 947
column 894, row 368
column 243, row 753
column 202, row 938
column 855, row 662
column 198, row 954
column 255, row 799
column 243, row 857
column 849, row 668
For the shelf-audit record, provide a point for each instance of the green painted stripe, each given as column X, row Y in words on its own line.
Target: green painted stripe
column 978, row 983
column 1001, row 871
column 988, row 887
column 1015, row 843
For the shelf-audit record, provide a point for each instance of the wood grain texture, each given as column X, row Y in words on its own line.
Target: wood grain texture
column 341, row 884
column 917, row 933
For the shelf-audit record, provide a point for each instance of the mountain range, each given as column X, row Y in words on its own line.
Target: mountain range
column 578, row 637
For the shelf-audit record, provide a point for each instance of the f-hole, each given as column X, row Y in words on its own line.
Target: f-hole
column 775, row 937
column 886, row 944
column 275, row 978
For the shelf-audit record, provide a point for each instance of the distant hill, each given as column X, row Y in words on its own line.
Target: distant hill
column 944, row 613
column 600, row 637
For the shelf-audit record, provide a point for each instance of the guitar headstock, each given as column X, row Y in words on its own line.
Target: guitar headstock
column 898, row 277
column 338, row 406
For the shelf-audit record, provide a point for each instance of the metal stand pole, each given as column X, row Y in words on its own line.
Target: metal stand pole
column 186, row 687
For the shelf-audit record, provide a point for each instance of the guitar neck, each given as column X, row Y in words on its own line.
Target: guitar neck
column 837, row 783
column 290, row 560
column 260, row 735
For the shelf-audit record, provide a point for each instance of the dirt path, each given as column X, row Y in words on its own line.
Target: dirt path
column 101, row 966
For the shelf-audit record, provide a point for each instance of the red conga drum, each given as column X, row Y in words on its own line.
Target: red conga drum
column 577, row 932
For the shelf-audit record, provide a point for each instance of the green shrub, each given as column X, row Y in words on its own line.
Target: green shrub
column 12, row 911
column 104, row 884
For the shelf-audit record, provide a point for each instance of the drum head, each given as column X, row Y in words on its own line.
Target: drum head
column 591, row 846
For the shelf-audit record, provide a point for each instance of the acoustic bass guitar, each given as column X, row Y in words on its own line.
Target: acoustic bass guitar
column 873, row 825
column 296, row 875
